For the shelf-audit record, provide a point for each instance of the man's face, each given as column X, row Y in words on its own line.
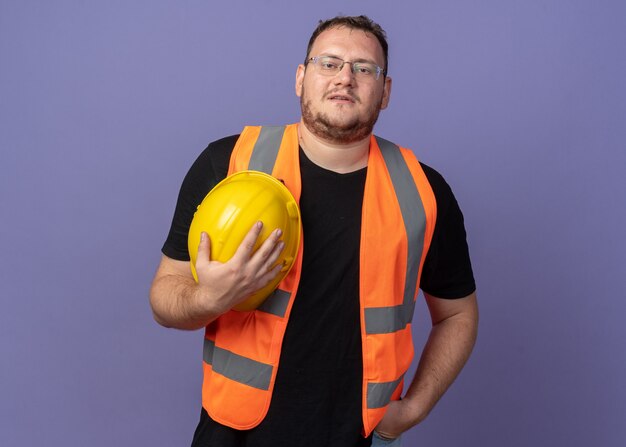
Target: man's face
column 342, row 108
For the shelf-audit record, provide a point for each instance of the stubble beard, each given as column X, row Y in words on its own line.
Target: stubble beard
column 321, row 125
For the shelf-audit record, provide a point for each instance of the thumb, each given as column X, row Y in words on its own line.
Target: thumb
column 204, row 248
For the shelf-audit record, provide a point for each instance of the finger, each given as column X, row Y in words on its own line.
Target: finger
column 267, row 248
column 271, row 269
column 274, row 255
column 247, row 245
column 270, row 274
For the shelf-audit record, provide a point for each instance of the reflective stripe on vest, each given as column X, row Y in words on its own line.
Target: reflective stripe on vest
column 276, row 303
column 384, row 320
column 263, row 159
column 379, row 394
column 235, row 367
column 269, row 142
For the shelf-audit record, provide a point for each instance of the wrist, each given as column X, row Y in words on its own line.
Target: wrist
column 202, row 307
column 414, row 411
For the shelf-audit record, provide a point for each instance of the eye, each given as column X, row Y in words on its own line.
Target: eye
column 329, row 64
column 364, row 69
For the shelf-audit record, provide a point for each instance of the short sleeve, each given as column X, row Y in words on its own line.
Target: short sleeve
column 210, row 167
column 447, row 271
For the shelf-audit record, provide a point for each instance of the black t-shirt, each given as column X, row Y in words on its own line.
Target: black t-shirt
column 317, row 395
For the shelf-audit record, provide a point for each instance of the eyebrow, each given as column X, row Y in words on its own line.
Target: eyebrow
column 369, row 61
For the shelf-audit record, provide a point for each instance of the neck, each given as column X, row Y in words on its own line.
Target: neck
column 341, row 158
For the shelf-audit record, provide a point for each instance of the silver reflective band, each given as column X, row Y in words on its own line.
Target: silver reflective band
column 263, row 159
column 269, row 140
column 384, row 320
column 379, row 394
column 236, row 367
column 276, row 303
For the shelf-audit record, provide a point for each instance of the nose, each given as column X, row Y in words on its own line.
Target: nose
column 345, row 75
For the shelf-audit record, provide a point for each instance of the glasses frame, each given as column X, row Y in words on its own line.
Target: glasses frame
column 353, row 66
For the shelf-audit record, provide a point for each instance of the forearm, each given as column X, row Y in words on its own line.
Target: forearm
column 448, row 347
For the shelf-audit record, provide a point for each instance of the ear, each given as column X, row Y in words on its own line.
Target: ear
column 386, row 93
column 300, row 79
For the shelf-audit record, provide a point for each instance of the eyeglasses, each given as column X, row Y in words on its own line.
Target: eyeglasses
column 330, row 66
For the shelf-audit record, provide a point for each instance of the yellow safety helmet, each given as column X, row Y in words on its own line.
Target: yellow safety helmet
column 232, row 207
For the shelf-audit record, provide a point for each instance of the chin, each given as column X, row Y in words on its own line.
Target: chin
column 336, row 126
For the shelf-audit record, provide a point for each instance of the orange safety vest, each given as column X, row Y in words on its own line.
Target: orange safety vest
column 242, row 349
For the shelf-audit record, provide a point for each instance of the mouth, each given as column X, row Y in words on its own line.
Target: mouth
column 342, row 98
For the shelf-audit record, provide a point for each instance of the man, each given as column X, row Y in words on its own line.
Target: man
column 327, row 368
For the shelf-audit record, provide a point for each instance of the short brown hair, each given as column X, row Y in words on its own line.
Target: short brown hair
column 363, row 23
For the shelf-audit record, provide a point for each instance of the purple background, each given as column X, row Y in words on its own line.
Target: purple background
column 104, row 105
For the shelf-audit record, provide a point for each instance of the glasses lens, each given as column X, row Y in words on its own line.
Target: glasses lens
column 365, row 69
column 329, row 64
